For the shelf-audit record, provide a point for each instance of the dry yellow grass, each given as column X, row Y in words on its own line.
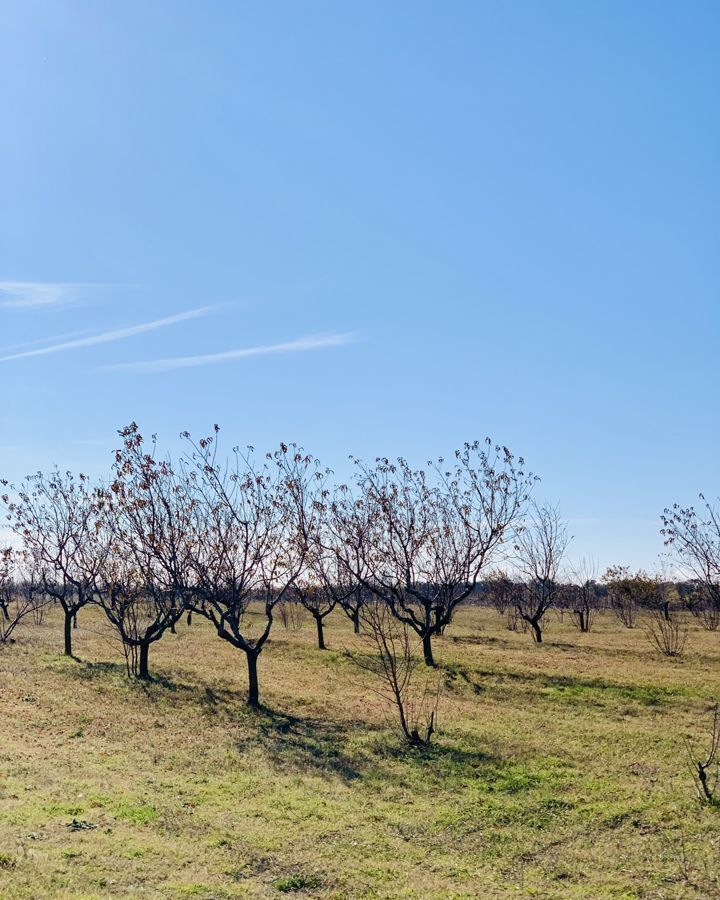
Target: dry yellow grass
column 559, row 770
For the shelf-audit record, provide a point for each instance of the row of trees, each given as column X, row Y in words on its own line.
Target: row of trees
column 582, row 594
column 232, row 538
column 236, row 539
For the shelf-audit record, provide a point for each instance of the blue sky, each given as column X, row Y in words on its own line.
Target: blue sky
column 425, row 222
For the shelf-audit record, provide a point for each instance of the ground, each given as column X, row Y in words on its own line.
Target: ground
column 558, row 771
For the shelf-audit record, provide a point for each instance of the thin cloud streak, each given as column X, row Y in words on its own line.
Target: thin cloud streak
column 39, row 294
column 311, row 342
column 116, row 335
column 55, row 338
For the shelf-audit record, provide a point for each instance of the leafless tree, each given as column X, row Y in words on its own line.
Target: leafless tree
column 695, row 538
column 318, row 600
column 694, row 596
column 145, row 519
column 499, row 589
column 583, row 594
column 418, row 539
column 392, row 662
column 540, row 547
column 291, row 613
column 668, row 635
column 54, row 516
column 352, row 602
column 251, row 518
column 20, row 591
column 7, row 568
column 347, row 522
column 708, row 611
column 325, row 582
column 706, row 768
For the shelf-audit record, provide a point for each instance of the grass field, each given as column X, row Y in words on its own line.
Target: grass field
column 559, row 770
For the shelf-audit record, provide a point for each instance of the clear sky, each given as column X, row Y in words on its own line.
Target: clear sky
column 438, row 221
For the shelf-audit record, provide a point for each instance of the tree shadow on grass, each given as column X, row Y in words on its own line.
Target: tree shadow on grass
column 306, row 744
column 96, row 670
column 480, row 640
column 296, row 743
column 565, row 686
column 156, row 684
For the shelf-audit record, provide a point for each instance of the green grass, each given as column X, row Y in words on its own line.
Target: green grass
column 558, row 770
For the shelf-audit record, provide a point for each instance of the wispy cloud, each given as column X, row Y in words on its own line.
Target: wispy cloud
column 42, row 294
column 108, row 336
column 40, row 342
column 311, row 342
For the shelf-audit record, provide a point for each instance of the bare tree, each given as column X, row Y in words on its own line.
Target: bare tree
column 324, row 582
column 418, row 539
column 695, row 538
column 352, row 602
column 709, row 612
column 291, row 613
column 583, row 594
column 694, row 596
column 250, row 518
column 500, row 590
column 318, row 600
column 7, row 568
column 20, row 591
column 145, row 519
column 706, row 769
column 392, row 662
column 54, row 516
column 541, row 544
column 668, row 635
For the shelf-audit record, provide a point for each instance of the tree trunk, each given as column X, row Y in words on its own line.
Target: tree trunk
column 537, row 631
column 320, row 633
column 75, row 619
column 427, row 650
column 189, row 617
column 253, row 686
column 69, row 616
column 356, row 621
column 143, row 670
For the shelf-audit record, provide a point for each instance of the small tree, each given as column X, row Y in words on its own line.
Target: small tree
column 20, row 592
column 583, row 595
column 499, row 590
column 668, row 635
column 695, row 538
column 7, row 568
column 54, row 516
column 540, row 548
column 249, row 523
column 709, row 612
column 418, row 539
column 318, row 601
column 145, row 520
column 705, row 769
column 394, row 666
column 352, row 603
column 291, row 613
column 697, row 600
